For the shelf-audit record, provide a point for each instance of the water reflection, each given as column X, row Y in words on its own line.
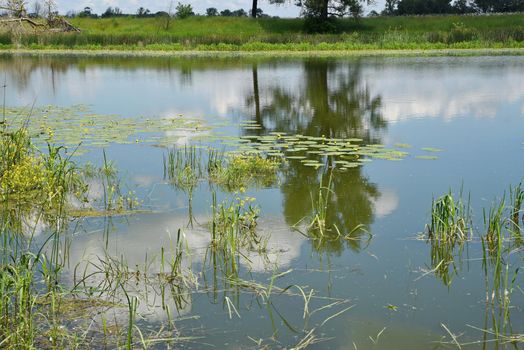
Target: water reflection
column 332, row 100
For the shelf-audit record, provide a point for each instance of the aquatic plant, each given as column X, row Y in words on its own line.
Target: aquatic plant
column 495, row 222
column 320, row 208
column 236, row 221
column 450, row 219
column 238, row 172
column 517, row 199
column 183, row 167
column 29, row 176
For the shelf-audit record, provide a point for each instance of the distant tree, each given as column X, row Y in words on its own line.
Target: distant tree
column 226, row 13
column 50, row 9
column 112, row 12
column 86, row 12
column 211, row 12
column 239, row 13
column 184, row 11
column 324, row 9
column 257, row 12
column 373, row 13
column 390, row 7
column 462, row 6
column 423, row 7
column 499, row 5
column 142, row 12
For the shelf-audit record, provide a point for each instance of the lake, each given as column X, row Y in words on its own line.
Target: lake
column 379, row 138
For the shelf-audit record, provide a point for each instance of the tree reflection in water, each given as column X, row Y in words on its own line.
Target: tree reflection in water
column 333, row 101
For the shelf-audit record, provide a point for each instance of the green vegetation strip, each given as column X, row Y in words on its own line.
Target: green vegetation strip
column 382, row 35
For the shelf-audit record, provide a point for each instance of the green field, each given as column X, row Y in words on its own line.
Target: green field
column 245, row 34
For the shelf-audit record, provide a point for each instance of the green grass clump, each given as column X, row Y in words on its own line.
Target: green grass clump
column 450, row 219
column 238, row 172
column 32, row 178
column 233, row 229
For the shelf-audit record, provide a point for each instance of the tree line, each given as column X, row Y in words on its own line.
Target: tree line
column 426, row 7
column 179, row 11
column 324, row 10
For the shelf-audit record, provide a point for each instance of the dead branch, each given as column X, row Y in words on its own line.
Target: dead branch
column 22, row 19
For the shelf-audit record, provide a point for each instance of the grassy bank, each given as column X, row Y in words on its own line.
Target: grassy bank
column 244, row 34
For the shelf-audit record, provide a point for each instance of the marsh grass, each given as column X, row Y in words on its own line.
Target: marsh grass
column 517, row 199
column 500, row 237
column 450, row 219
column 185, row 167
column 226, row 33
column 238, row 172
column 36, row 309
column 320, row 202
column 319, row 226
column 234, row 230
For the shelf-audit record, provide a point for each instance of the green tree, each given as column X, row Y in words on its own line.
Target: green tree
column 211, row 12
column 184, row 11
column 142, row 12
column 390, row 8
column 499, row 5
column 423, row 7
column 323, row 9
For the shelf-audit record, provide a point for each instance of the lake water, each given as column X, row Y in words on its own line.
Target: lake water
column 460, row 121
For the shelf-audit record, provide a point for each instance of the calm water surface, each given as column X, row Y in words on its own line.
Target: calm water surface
column 471, row 108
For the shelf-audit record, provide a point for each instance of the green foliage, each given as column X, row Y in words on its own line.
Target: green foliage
column 421, row 7
column 499, row 5
column 450, row 219
column 211, row 12
column 184, row 11
column 31, row 177
column 240, row 171
column 234, row 228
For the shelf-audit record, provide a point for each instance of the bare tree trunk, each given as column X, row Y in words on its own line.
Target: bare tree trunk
column 324, row 10
column 254, row 9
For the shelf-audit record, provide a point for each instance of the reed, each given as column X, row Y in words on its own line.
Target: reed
column 517, row 199
column 450, row 219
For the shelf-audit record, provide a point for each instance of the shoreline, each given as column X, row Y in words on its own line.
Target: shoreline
column 276, row 53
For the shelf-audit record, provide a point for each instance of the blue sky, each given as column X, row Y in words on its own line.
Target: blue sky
column 130, row 6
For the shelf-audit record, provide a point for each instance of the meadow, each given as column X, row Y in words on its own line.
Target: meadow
column 274, row 34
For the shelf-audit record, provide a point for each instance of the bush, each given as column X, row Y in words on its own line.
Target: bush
column 184, row 11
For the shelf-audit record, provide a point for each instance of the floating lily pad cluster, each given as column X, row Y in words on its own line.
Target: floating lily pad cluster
column 77, row 125
column 314, row 151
